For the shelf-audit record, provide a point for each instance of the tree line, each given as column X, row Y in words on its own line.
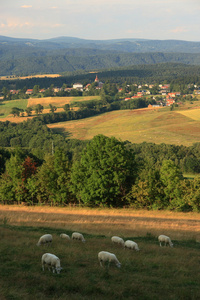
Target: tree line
column 101, row 172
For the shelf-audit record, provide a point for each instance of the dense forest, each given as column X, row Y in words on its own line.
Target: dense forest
column 69, row 63
column 156, row 73
column 26, row 56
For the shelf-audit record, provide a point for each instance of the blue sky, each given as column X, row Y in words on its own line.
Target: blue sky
column 101, row 19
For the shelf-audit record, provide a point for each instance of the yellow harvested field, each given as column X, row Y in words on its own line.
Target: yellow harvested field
column 58, row 101
column 194, row 114
column 31, row 76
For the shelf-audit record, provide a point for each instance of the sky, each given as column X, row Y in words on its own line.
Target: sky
column 101, row 19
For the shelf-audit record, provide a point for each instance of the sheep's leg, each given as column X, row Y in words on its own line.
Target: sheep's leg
column 101, row 263
column 160, row 244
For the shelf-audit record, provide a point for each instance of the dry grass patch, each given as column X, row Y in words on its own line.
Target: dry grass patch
column 110, row 222
column 137, row 126
column 59, row 101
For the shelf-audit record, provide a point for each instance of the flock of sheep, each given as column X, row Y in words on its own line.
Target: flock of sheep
column 53, row 262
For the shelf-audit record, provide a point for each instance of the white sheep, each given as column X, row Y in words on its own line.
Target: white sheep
column 165, row 239
column 45, row 239
column 51, row 261
column 64, row 236
column 105, row 256
column 78, row 236
column 117, row 240
column 131, row 245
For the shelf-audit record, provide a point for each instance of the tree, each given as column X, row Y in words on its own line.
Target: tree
column 53, row 178
column 52, row 108
column 104, row 173
column 16, row 111
column 171, row 177
column 36, row 89
column 38, row 109
column 28, row 111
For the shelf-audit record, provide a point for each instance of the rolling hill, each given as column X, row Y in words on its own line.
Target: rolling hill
column 65, row 54
column 181, row 127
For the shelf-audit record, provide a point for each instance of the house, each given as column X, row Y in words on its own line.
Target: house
column 29, row 91
column 14, row 92
column 78, row 86
column 169, row 101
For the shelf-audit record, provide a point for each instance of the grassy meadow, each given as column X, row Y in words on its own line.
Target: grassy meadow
column 6, row 107
column 179, row 127
column 152, row 273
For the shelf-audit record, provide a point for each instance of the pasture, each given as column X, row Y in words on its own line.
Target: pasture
column 137, row 126
column 152, row 273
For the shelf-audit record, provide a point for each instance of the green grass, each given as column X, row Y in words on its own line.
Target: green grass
column 6, row 106
column 152, row 273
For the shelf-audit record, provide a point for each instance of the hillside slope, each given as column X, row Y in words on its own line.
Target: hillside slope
column 137, row 126
column 27, row 56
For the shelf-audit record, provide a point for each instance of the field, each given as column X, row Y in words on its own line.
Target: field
column 31, row 76
column 151, row 273
column 179, row 127
column 59, row 102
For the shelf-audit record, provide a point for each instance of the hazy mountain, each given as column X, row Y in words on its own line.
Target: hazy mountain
column 56, row 55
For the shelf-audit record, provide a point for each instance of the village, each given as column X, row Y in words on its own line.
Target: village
column 163, row 94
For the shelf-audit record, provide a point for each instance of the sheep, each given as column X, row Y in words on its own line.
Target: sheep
column 117, row 240
column 165, row 239
column 131, row 245
column 105, row 256
column 65, row 236
column 45, row 239
column 78, row 236
column 51, row 261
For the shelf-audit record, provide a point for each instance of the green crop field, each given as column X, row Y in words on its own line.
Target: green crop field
column 6, row 106
column 137, row 126
column 152, row 273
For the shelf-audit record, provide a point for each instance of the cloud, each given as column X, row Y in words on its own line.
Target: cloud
column 26, row 6
column 179, row 29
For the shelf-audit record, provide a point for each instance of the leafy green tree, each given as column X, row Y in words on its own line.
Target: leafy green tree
column 147, row 192
column 16, row 111
column 66, row 107
column 36, row 89
column 104, row 173
column 171, row 177
column 28, row 111
column 53, row 179
column 38, row 109
column 53, row 108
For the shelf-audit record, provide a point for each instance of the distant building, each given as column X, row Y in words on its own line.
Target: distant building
column 99, row 83
column 78, row 86
column 29, row 92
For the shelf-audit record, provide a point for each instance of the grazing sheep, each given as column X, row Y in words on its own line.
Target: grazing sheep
column 117, row 240
column 51, row 261
column 64, row 236
column 78, row 236
column 131, row 245
column 105, row 256
column 45, row 239
column 165, row 239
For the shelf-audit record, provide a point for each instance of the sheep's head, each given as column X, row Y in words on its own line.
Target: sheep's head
column 58, row 270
